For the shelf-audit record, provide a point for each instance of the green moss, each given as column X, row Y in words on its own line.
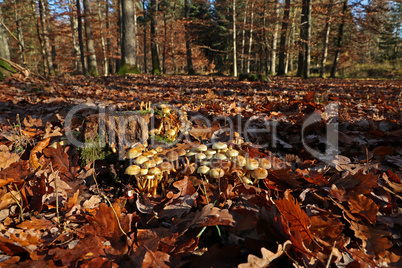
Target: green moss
column 128, row 69
column 89, row 154
column 162, row 139
column 7, row 66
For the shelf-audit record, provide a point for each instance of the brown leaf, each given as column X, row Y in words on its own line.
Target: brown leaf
column 364, row 206
column 267, row 256
column 156, row 259
column 34, row 163
column 185, row 186
column 294, row 216
column 37, row 224
column 16, row 171
column 7, row 158
column 210, row 216
column 62, row 161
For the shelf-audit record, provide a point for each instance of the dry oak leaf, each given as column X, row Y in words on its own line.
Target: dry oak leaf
column 364, row 206
column 267, row 256
column 7, row 158
column 296, row 219
column 34, row 163
column 210, row 216
column 16, row 171
column 61, row 161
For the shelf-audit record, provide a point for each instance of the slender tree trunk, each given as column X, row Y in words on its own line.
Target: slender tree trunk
column 108, row 41
column 243, row 41
column 81, row 38
column 164, row 43
column 326, row 38
column 291, row 41
column 4, row 49
column 51, row 35
column 234, row 40
column 251, row 37
column 190, row 67
column 173, row 51
column 103, row 44
column 76, row 47
column 303, row 39
column 40, row 39
column 339, row 41
column 275, row 38
column 49, row 62
column 265, row 44
column 20, row 35
column 145, row 37
column 156, row 70
column 282, row 46
column 92, row 66
column 128, row 49
column 307, row 44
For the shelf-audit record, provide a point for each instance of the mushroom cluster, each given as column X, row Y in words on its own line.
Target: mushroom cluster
column 153, row 167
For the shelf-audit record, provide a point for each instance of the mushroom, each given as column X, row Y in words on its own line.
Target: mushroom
column 219, row 146
column 141, row 159
column 259, row 173
column 210, row 153
column 203, row 170
column 232, row 153
column 252, row 164
column 173, row 157
column 134, row 170
column 158, row 160
column 220, row 156
column 240, row 161
column 171, row 134
column 158, row 175
column 165, row 168
column 216, row 173
column 149, row 164
column 200, row 156
column 265, row 163
column 202, row 148
column 133, row 153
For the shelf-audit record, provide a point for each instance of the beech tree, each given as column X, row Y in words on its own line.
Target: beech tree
column 92, row 65
column 156, row 69
column 4, row 50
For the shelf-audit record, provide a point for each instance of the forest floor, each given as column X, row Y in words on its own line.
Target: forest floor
column 330, row 154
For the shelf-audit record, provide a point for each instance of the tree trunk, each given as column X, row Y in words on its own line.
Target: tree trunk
column 275, row 38
column 49, row 62
column 243, row 41
column 108, row 41
column 234, row 40
column 128, row 49
column 339, row 41
column 20, row 35
column 156, row 70
column 4, row 49
column 326, row 38
column 307, row 43
column 251, row 38
column 92, row 66
column 282, row 46
column 40, row 39
column 51, row 35
column 103, row 44
column 190, row 67
column 76, row 47
column 164, row 43
column 81, row 38
column 304, row 53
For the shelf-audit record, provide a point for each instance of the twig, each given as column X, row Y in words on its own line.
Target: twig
column 20, row 216
column 330, row 256
column 57, row 193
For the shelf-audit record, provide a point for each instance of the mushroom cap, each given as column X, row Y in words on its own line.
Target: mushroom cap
column 205, row 163
column 171, row 132
column 166, row 110
column 181, row 152
column 165, row 166
column 219, row 146
column 220, row 156
column 265, row 163
column 148, row 154
column 149, row 164
column 200, row 156
column 154, row 171
column 240, row 161
column 172, row 156
column 232, row 153
column 158, row 160
column 202, row 148
column 190, row 153
column 143, row 171
column 210, row 152
column 259, row 173
column 252, row 164
column 141, row 159
column 133, row 153
column 203, row 169
column 133, row 170
column 153, row 151
column 216, row 173
column 162, row 106
column 150, row 177
column 159, row 149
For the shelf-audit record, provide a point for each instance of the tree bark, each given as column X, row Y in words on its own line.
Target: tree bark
column 81, row 38
column 326, row 38
column 51, row 35
column 156, row 70
column 275, row 38
column 190, row 67
column 103, row 44
column 4, row 49
column 243, row 41
column 92, row 66
column 282, row 46
column 128, row 49
column 49, row 62
column 339, row 41
column 76, row 47
column 145, row 37
column 304, row 54
column 251, row 37
column 234, row 40
column 307, row 44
